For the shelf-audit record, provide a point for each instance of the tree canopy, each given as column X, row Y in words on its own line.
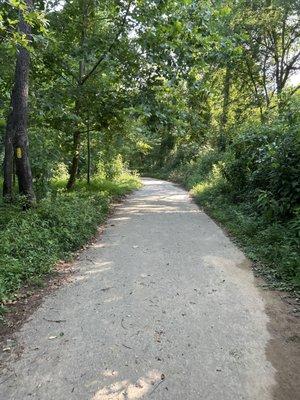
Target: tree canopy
column 133, row 78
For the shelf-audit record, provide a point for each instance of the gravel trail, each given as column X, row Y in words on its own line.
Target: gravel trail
column 163, row 306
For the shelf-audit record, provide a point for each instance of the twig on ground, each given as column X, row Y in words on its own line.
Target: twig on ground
column 127, row 347
column 156, row 386
column 55, row 320
column 122, row 324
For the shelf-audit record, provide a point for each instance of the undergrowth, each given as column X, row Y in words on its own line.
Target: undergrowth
column 32, row 242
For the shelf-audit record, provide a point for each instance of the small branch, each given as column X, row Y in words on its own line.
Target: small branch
column 55, row 320
column 295, row 90
column 103, row 56
column 122, row 324
column 127, row 347
column 156, row 386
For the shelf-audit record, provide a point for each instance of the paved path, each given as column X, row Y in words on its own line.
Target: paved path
column 163, row 306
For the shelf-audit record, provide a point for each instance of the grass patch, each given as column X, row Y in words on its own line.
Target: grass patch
column 32, row 242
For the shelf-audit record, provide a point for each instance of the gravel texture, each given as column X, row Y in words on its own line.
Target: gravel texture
column 163, row 306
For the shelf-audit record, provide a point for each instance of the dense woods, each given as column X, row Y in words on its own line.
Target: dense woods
column 204, row 93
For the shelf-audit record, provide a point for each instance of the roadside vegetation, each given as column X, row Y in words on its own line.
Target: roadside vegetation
column 32, row 242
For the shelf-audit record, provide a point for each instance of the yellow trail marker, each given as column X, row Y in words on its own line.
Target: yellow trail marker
column 19, row 152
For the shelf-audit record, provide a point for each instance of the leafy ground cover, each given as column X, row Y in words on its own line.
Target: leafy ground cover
column 33, row 241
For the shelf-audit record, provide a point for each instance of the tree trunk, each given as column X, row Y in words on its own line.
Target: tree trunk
column 77, row 135
column 76, row 151
column 16, row 139
column 88, row 178
column 75, row 160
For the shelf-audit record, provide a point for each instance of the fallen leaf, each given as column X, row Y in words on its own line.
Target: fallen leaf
column 56, row 336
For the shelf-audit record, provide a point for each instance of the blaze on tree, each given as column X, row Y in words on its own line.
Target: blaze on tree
column 16, row 139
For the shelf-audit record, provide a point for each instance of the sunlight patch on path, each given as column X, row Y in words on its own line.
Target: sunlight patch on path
column 125, row 389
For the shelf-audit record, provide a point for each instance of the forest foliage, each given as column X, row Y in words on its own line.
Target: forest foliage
column 202, row 92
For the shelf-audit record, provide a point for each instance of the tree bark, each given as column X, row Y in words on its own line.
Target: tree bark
column 76, row 152
column 75, row 160
column 77, row 134
column 16, row 139
column 88, row 137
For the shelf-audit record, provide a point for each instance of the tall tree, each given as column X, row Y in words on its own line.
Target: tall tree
column 16, row 139
column 86, row 9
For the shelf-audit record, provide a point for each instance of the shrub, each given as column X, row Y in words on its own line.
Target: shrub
column 263, row 162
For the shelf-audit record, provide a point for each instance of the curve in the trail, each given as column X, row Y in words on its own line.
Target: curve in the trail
column 163, row 306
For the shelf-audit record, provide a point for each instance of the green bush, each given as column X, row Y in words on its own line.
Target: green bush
column 263, row 163
column 197, row 170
